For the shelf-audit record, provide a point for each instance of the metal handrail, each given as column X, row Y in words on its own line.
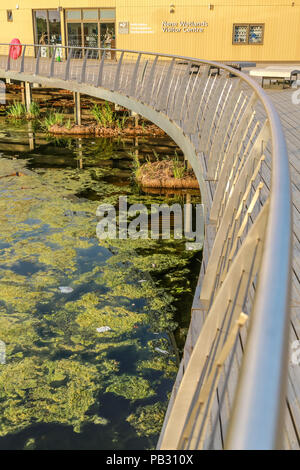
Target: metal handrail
column 258, row 409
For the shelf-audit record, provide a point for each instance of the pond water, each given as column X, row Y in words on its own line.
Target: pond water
column 66, row 382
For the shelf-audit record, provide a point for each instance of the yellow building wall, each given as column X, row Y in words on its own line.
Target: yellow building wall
column 281, row 19
column 281, row 36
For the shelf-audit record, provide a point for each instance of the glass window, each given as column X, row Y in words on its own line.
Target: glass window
column 90, row 14
column 240, row 34
column 95, row 27
column 73, row 14
column 54, row 27
column 74, row 34
column 107, row 14
column 107, row 35
column 90, row 34
column 248, row 33
column 47, row 27
column 255, row 34
column 41, row 27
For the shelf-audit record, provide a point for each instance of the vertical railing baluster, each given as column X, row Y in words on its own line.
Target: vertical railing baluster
column 83, row 70
column 100, row 73
column 37, row 63
column 163, row 94
column 134, row 76
column 149, row 83
column 23, row 60
column 180, row 94
column 118, row 71
column 8, row 60
column 51, row 72
column 67, row 69
column 143, row 74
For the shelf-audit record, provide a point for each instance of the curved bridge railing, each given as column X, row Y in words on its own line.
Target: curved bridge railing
column 231, row 386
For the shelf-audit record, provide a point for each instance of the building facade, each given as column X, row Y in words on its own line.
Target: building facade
column 253, row 30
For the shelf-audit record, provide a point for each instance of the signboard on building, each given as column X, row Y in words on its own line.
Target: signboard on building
column 183, row 26
column 123, row 27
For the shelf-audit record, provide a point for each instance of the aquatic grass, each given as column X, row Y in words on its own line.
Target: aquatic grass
column 122, row 122
column 178, row 167
column 34, row 110
column 68, row 124
column 104, row 115
column 51, row 119
column 136, row 164
column 156, row 155
column 16, row 110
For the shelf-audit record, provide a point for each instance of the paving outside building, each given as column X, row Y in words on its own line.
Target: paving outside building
column 222, row 30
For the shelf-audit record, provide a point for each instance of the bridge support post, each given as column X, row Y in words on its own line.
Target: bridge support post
column 23, row 92
column 31, row 136
column 28, row 95
column 136, row 118
column 77, row 108
column 187, row 163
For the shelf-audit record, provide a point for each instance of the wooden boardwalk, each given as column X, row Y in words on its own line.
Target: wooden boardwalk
column 290, row 119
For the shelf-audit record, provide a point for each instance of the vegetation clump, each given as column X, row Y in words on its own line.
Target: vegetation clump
column 148, row 420
column 52, row 119
column 104, row 115
column 165, row 173
column 17, row 110
column 131, row 387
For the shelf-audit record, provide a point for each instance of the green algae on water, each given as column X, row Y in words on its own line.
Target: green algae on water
column 59, row 369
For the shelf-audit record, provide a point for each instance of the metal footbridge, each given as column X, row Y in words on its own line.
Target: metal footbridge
column 231, row 389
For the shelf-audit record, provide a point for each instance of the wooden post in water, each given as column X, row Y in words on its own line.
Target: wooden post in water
column 28, row 95
column 77, row 108
column 136, row 118
column 31, row 136
column 23, row 92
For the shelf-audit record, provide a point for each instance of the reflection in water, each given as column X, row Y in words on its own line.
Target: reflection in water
column 67, row 382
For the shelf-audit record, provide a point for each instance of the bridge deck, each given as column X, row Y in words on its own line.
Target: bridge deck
column 290, row 118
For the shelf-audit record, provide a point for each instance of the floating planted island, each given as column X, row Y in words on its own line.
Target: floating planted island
column 167, row 173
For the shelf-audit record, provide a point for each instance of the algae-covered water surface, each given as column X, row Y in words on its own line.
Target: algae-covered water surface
column 89, row 327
